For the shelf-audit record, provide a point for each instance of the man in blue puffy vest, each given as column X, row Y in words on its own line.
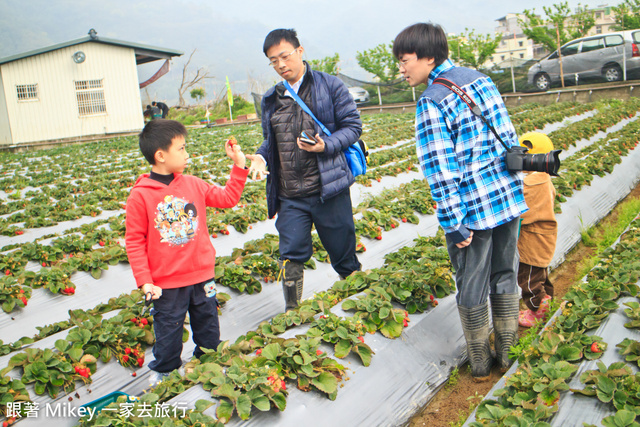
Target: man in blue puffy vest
column 479, row 201
column 307, row 183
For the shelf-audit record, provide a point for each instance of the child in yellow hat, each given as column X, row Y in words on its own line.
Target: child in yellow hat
column 538, row 235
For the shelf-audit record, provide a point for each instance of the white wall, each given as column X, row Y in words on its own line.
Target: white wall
column 55, row 114
column 5, row 128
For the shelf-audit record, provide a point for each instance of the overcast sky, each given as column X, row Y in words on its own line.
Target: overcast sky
column 228, row 35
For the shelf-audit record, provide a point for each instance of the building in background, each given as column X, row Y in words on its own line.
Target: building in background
column 73, row 90
column 604, row 20
column 514, row 48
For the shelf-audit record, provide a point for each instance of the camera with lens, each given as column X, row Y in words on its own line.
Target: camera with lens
column 518, row 160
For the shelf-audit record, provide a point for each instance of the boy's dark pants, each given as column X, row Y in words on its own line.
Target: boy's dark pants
column 535, row 285
column 488, row 266
column 168, row 319
column 334, row 222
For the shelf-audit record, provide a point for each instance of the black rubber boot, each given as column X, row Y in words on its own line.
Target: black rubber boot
column 504, row 310
column 292, row 280
column 476, row 328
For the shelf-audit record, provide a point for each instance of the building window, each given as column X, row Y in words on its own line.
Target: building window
column 521, row 55
column 598, row 29
column 598, row 15
column 90, row 96
column 520, row 44
column 27, row 92
column 502, row 57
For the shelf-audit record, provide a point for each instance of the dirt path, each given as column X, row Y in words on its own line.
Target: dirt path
column 451, row 406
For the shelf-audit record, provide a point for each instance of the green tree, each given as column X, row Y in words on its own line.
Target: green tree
column 197, row 93
column 627, row 15
column 328, row 64
column 471, row 49
column 581, row 21
column 380, row 62
column 558, row 27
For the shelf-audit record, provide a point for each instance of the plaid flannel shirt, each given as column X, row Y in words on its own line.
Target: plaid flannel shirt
column 462, row 159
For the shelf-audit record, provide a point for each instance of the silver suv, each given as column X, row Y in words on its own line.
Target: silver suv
column 359, row 95
column 604, row 55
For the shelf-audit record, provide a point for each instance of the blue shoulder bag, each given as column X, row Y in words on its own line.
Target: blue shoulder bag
column 356, row 154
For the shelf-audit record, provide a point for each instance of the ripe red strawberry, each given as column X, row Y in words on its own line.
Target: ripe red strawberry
column 283, row 385
column 435, row 303
column 404, row 219
column 259, row 351
column 127, row 350
column 214, row 235
column 19, row 232
column 144, row 321
column 431, row 297
column 140, row 361
column 24, row 300
column 405, row 323
column 379, row 237
column 125, row 358
column 7, row 273
column 101, row 243
column 393, row 225
column 435, row 206
column 44, row 264
column 595, row 348
column 319, row 352
column 133, row 374
column 361, row 339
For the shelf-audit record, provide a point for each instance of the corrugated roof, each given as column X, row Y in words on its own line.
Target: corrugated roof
column 144, row 53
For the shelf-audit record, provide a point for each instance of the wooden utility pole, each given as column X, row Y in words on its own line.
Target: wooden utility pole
column 559, row 55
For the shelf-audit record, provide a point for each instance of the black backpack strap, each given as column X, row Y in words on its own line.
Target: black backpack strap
column 470, row 103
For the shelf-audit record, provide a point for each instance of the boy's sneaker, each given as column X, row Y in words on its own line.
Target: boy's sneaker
column 528, row 318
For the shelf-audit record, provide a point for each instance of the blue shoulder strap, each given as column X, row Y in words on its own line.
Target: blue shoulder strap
column 305, row 107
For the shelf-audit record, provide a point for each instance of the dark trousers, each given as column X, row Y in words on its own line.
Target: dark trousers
column 535, row 285
column 333, row 220
column 169, row 312
column 488, row 265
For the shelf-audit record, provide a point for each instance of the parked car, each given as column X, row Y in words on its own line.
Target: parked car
column 601, row 56
column 359, row 95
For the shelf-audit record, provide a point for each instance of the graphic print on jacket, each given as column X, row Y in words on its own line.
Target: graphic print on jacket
column 176, row 220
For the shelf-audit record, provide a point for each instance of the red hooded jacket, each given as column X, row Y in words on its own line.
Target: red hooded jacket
column 167, row 238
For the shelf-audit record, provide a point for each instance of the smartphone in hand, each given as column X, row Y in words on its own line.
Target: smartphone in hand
column 307, row 139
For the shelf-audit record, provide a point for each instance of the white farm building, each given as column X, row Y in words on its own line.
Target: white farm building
column 84, row 87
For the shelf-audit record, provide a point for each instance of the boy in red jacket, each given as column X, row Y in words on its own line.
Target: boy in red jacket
column 168, row 243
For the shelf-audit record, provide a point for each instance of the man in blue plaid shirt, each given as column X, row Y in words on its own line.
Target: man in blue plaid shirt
column 479, row 201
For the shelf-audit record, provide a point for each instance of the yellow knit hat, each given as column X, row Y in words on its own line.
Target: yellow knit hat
column 539, row 141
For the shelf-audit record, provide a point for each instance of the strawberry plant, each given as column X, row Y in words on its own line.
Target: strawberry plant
column 376, row 312
column 616, row 384
column 12, row 295
column 630, row 349
column 345, row 334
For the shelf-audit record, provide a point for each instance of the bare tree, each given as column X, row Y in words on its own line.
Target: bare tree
column 187, row 82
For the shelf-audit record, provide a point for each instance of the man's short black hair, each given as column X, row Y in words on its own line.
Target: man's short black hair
column 425, row 40
column 153, row 103
column 277, row 36
column 157, row 135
